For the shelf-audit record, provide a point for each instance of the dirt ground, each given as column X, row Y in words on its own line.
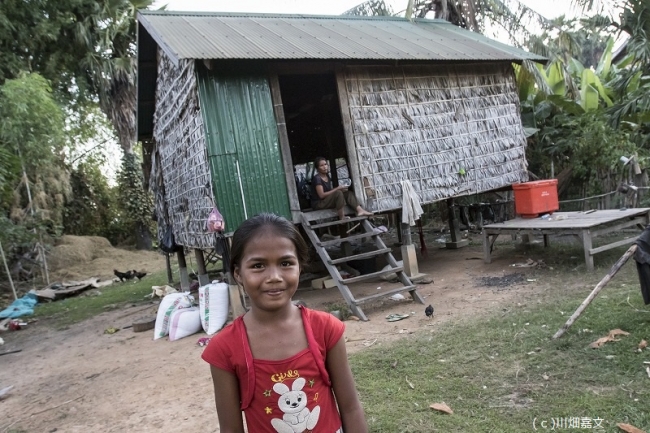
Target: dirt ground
column 80, row 379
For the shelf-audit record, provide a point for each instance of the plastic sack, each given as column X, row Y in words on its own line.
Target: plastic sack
column 20, row 307
column 213, row 306
column 215, row 223
column 168, row 243
column 184, row 322
column 169, row 304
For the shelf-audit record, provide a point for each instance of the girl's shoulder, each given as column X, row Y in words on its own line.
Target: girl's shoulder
column 324, row 326
column 225, row 342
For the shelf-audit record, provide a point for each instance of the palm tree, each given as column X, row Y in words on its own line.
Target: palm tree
column 110, row 63
column 476, row 15
column 110, row 67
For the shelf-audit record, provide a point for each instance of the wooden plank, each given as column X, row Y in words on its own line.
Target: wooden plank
column 405, row 280
column 350, row 145
column 333, row 271
column 285, row 149
column 372, row 275
column 620, row 243
column 617, row 227
column 487, row 257
column 385, row 293
column 338, row 222
column 572, row 220
column 586, row 245
column 348, row 239
column 360, row 256
column 322, row 214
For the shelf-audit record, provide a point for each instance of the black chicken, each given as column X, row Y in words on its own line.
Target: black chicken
column 123, row 276
column 429, row 311
column 139, row 275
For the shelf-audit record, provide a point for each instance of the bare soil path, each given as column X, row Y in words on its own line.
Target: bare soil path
column 81, row 380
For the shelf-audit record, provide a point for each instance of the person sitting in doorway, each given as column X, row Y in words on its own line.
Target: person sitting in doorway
column 324, row 196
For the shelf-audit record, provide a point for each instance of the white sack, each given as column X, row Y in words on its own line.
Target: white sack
column 168, row 305
column 213, row 305
column 184, row 322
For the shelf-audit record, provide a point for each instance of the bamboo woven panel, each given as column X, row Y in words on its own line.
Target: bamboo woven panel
column 182, row 182
column 449, row 129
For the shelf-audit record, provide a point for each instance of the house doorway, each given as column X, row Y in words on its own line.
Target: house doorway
column 314, row 126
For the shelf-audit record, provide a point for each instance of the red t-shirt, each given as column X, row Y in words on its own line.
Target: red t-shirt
column 291, row 395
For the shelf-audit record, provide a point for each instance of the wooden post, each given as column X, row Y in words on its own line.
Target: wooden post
column 170, row 278
column 182, row 270
column 617, row 266
column 200, row 264
column 454, row 229
column 11, row 282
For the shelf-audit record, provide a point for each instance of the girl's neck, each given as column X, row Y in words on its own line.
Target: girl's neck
column 266, row 318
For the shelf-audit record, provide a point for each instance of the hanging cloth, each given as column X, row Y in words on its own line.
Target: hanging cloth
column 222, row 247
column 411, row 209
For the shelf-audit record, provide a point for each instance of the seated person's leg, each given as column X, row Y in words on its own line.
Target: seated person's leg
column 352, row 201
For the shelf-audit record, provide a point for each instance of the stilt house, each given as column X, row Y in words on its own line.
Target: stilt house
column 232, row 108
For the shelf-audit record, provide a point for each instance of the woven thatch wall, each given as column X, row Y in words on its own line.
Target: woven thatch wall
column 184, row 196
column 428, row 124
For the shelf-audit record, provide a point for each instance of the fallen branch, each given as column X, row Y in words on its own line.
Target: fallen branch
column 617, row 266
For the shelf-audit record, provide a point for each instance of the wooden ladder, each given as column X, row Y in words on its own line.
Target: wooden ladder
column 311, row 221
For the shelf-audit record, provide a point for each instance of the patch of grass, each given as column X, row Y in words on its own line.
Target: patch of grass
column 75, row 309
column 500, row 373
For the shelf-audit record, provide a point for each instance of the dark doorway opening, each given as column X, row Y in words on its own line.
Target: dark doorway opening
column 313, row 116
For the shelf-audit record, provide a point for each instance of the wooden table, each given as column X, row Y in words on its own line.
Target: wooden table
column 586, row 225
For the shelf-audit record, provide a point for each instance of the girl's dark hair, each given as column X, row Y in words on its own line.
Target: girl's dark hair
column 319, row 159
column 263, row 222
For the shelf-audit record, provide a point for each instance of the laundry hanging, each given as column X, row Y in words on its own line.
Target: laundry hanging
column 411, row 208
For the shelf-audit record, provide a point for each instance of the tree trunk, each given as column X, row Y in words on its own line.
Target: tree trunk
column 142, row 237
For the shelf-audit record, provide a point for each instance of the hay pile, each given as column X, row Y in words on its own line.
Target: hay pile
column 81, row 257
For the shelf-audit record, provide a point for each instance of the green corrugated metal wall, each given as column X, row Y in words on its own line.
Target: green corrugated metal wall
column 241, row 130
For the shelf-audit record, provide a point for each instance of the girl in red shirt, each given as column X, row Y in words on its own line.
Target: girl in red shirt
column 284, row 366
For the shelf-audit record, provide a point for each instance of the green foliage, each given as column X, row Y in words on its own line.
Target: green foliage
column 93, row 209
column 586, row 142
column 136, row 203
column 31, row 139
column 31, row 122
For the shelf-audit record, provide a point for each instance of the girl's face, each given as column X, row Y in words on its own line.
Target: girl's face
column 323, row 167
column 269, row 270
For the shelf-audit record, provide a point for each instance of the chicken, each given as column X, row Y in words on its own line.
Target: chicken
column 138, row 275
column 123, row 276
column 429, row 311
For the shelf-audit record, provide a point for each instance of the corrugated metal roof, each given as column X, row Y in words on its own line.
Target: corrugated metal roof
column 203, row 35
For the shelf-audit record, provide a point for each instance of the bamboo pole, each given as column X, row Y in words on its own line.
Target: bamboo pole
column 617, row 266
column 11, row 282
column 41, row 250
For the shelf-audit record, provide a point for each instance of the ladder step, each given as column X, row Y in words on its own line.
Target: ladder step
column 372, row 275
column 349, row 238
column 338, row 222
column 385, row 293
column 316, row 215
column 360, row 256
